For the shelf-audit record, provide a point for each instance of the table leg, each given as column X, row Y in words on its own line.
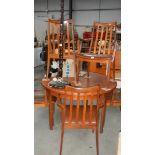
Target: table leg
column 51, row 110
column 103, row 112
column 51, row 115
column 77, row 70
column 108, row 69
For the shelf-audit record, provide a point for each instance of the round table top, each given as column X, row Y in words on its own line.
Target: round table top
column 94, row 79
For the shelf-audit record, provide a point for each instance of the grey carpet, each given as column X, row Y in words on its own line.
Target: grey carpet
column 76, row 141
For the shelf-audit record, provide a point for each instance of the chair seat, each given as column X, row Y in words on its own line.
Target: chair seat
column 106, row 56
column 65, row 55
column 87, row 118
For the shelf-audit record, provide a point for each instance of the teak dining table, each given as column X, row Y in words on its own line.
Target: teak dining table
column 94, row 79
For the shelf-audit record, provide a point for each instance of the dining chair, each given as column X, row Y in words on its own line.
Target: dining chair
column 54, row 41
column 81, row 111
column 102, row 47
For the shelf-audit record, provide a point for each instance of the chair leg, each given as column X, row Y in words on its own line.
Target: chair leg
column 48, row 66
column 108, row 70
column 97, row 142
column 114, row 70
column 78, row 70
column 51, row 119
column 103, row 113
column 112, row 98
column 54, row 107
column 61, row 142
column 88, row 69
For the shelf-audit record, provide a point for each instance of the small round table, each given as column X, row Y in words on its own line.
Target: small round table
column 94, row 79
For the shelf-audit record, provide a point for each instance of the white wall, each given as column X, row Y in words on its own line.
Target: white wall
column 79, row 17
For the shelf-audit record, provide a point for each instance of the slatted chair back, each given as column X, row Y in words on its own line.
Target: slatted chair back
column 54, row 37
column 103, row 38
column 80, row 114
column 81, row 111
column 54, row 40
column 69, row 39
column 102, row 47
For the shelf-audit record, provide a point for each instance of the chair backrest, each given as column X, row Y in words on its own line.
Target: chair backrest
column 54, row 37
column 81, row 99
column 103, row 38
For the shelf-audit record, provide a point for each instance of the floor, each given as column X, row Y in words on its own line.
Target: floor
column 39, row 73
column 76, row 141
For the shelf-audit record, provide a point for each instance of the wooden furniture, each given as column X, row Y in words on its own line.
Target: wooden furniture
column 83, row 114
column 102, row 47
column 54, row 41
column 106, row 86
column 115, row 99
column 85, row 44
column 101, row 68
